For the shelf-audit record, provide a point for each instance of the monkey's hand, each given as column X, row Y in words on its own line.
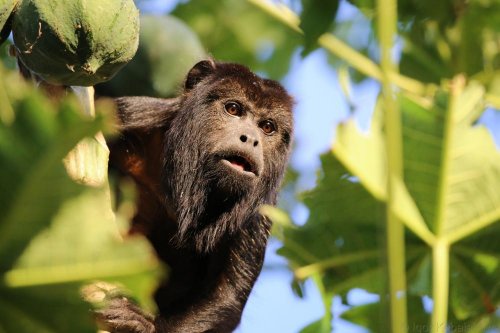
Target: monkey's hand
column 122, row 316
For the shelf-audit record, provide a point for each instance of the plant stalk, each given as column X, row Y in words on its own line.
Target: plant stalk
column 387, row 18
column 440, row 286
column 321, row 266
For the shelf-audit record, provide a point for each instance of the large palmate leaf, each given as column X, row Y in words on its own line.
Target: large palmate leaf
column 55, row 235
column 450, row 192
column 34, row 138
column 341, row 234
column 33, row 142
column 452, row 167
column 81, row 246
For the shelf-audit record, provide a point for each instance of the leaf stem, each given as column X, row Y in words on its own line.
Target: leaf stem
column 440, row 286
column 280, row 12
column 319, row 267
column 457, row 85
column 326, row 320
column 387, row 14
column 36, row 276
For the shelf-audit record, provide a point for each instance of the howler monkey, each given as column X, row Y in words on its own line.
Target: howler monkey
column 203, row 162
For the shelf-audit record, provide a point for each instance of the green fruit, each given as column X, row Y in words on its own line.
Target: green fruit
column 76, row 42
column 168, row 48
column 6, row 8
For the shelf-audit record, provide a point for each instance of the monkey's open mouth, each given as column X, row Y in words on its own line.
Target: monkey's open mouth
column 240, row 163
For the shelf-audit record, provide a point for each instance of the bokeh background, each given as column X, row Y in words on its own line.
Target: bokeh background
column 332, row 264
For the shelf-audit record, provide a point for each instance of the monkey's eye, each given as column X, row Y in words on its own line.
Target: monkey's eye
column 234, row 109
column 268, row 127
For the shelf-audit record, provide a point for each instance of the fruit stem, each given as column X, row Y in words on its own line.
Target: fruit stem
column 87, row 162
column 86, row 97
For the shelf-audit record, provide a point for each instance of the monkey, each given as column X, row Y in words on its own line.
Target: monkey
column 204, row 162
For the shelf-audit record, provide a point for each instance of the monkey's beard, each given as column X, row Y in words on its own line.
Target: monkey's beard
column 211, row 204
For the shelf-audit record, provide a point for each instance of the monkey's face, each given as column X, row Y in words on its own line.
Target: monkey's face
column 242, row 152
column 237, row 153
column 226, row 150
column 249, row 137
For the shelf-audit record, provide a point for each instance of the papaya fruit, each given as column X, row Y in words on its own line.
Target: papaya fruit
column 168, row 48
column 75, row 42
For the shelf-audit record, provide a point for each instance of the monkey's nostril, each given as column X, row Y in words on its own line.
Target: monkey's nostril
column 255, row 143
column 243, row 138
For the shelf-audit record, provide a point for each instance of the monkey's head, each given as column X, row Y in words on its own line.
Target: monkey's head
column 225, row 151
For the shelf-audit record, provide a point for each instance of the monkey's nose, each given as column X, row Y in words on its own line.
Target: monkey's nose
column 245, row 138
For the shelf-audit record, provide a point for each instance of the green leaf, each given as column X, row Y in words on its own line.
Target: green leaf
column 86, row 225
column 420, row 272
column 479, row 27
column 84, row 244
column 331, row 242
column 55, row 235
column 452, row 167
column 316, row 327
column 44, row 309
column 317, row 18
column 31, row 149
column 476, row 263
column 371, row 315
column 6, row 8
column 6, row 60
column 450, row 164
column 422, row 62
column 168, row 49
column 238, row 31
column 361, row 153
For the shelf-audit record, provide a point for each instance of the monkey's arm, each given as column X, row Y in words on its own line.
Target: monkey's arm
column 214, row 302
column 221, row 303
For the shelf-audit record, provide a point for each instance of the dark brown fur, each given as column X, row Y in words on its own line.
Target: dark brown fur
column 200, row 214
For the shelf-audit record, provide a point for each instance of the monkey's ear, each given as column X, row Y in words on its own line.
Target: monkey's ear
column 199, row 71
